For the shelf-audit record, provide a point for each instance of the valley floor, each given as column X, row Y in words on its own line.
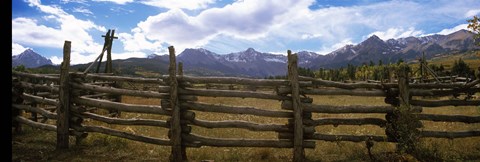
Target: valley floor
column 38, row 145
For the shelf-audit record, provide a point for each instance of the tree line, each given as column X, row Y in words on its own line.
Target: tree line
column 382, row 72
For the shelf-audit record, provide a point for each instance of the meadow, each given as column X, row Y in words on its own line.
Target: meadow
column 39, row 145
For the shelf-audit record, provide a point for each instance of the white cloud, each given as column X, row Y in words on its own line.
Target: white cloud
column 394, row 33
column 328, row 49
column 82, row 10
column 310, row 36
column 170, row 4
column 454, row 29
column 116, row 1
column 126, row 55
column 471, row 13
column 28, row 31
column 74, row 1
column 17, row 49
column 138, row 42
column 179, row 4
column 77, row 58
column 248, row 19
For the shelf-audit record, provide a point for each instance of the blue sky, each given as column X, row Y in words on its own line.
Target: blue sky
column 224, row 26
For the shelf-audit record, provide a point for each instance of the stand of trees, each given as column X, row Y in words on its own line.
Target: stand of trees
column 380, row 71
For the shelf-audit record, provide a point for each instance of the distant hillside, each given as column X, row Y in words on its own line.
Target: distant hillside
column 391, row 50
column 30, row 59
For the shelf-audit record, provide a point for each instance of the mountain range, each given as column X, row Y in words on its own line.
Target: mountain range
column 252, row 63
column 258, row 64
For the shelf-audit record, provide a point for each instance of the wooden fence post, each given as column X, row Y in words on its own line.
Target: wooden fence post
column 63, row 107
column 298, row 152
column 402, row 124
column 17, row 92
column 175, row 128
column 182, row 125
column 180, row 68
column 404, row 94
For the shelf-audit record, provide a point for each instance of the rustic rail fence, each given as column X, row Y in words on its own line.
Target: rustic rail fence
column 73, row 95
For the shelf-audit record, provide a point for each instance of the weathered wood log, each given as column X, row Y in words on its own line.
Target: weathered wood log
column 233, row 80
column 98, row 95
column 230, row 93
column 36, row 76
column 37, row 99
column 147, row 122
column 150, row 109
column 117, row 133
column 351, row 138
column 444, row 85
column 425, row 103
column 449, row 118
column 63, row 107
column 236, row 142
column 119, row 78
column 439, row 134
column 346, row 85
column 165, row 103
column 183, row 98
column 100, row 83
column 323, row 91
column 38, row 87
column 43, row 112
column 75, row 119
column 289, row 135
column 298, row 131
column 234, row 109
column 36, row 124
column 439, row 93
column 240, row 124
column 187, row 115
column 163, row 89
column 346, row 121
column 344, row 109
column 118, row 91
column 178, row 152
column 46, row 94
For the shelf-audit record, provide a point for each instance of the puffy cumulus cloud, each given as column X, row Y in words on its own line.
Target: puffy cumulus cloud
column 179, row 4
column 28, row 31
column 170, row 4
column 454, row 29
column 291, row 24
column 17, row 48
column 138, row 42
column 174, row 27
column 394, row 33
column 248, row 19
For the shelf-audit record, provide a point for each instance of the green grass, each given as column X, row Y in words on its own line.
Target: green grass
column 38, row 145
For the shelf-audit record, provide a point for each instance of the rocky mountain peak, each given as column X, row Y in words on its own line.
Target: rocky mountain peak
column 30, row 59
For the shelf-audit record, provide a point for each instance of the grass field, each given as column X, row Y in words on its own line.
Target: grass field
column 471, row 58
column 38, row 145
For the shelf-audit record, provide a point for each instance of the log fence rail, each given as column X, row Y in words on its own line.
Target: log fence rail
column 68, row 98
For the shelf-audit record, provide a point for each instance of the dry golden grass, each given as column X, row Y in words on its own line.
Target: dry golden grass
column 97, row 147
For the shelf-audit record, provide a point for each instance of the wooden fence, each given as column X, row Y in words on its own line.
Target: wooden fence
column 73, row 95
